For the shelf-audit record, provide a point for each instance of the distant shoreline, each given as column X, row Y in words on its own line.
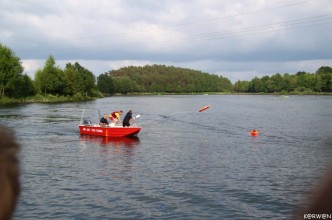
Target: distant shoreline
column 216, row 93
column 61, row 99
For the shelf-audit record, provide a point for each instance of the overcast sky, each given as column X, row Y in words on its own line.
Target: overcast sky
column 238, row 39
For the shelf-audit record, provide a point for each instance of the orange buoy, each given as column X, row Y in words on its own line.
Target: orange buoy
column 204, row 108
column 254, row 133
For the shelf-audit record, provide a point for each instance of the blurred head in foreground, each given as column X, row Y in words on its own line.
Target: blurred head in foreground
column 319, row 201
column 9, row 173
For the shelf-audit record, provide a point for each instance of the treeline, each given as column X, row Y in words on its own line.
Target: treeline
column 159, row 79
column 76, row 83
column 51, row 82
column 299, row 83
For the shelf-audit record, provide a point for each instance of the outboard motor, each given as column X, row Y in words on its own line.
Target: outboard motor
column 87, row 123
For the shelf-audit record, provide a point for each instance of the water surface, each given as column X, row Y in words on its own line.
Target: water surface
column 183, row 164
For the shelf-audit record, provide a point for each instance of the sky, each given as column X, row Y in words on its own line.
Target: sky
column 237, row 39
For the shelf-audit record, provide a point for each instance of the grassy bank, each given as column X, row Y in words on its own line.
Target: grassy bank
column 47, row 99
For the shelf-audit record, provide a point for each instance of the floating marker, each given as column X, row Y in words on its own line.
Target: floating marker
column 204, row 108
column 254, row 133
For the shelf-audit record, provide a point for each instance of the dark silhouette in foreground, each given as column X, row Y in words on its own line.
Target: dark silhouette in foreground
column 9, row 173
column 319, row 202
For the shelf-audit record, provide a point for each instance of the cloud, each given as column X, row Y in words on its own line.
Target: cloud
column 237, row 39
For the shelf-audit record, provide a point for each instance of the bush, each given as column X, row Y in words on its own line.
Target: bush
column 77, row 97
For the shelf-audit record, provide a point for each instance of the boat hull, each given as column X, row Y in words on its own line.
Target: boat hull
column 109, row 131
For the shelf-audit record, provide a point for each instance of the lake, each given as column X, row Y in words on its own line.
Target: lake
column 182, row 165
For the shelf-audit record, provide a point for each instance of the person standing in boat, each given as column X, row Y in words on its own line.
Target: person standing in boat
column 127, row 118
column 104, row 121
column 116, row 117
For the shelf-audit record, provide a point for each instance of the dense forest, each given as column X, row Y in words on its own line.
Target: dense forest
column 76, row 83
column 159, row 79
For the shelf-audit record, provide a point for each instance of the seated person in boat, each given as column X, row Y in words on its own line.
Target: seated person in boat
column 104, row 121
column 116, row 117
column 127, row 118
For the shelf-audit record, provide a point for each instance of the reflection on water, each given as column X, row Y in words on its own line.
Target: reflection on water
column 111, row 141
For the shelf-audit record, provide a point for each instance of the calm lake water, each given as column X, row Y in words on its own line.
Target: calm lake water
column 183, row 165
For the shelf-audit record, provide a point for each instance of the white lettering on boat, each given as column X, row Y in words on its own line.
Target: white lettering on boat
column 93, row 130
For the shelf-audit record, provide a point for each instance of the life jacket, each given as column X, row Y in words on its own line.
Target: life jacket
column 113, row 115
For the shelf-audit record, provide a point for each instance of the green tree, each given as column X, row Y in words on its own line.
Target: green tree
column 125, row 85
column 241, row 86
column 289, row 82
column 10, row 71
column 73, row 81
column 50, row 79
column 105, row 84
column 24, row 87
column 305, row 81
column 324, row 79
column 324, row 70
column 266, row 84
column 278, row 83
column 88, row 80
column 255, row 85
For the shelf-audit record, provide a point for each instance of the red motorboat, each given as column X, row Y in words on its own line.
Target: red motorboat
column 116, row 131
column 86, row 127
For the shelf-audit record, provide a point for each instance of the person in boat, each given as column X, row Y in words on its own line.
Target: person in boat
column 127, row 118
column 116, row 116
column 10, row 186
column 104, row 121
